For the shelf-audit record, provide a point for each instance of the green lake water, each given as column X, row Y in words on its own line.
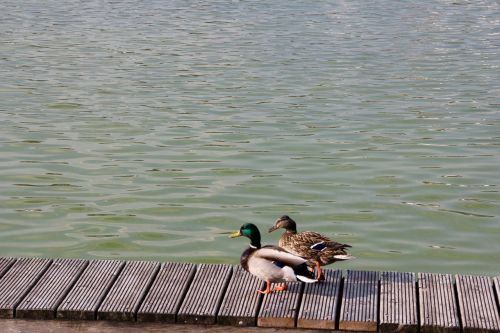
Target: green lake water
column 145, row 130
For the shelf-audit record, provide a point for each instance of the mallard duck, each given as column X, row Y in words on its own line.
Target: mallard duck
column 271, row 263
column 319, row 250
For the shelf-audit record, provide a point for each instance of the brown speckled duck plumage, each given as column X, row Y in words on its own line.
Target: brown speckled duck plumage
column 318, row 249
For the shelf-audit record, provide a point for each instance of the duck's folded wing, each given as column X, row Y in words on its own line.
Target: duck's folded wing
column 275, row 253
column 330, row 245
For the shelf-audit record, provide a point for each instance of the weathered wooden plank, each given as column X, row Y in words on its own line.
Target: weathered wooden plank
column 166, row 294
column 210, row 280
column 280, row 308
column 477, row 304
column 5, row 264
column 126, row 294
column 360, row 302
column 42, row 300
column 438, row 306
column 398, row 302
column 82, row 301
column 320, row 302
column 103, row 326
column 17, row 282
column 241, row 302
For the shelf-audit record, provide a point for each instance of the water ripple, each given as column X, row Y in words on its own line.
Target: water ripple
column 174, row 121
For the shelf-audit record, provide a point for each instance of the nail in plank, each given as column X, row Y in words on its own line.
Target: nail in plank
column 438, row 307
column 124, row 297
column 280, row 308
column 82, row 301
column 320, row 302
column 359, row 308
column 205, row 294
column 240, row 304
column 477, row 304
column 398, row 302
column 42, row 301
column 165, row 296
column 17, row 282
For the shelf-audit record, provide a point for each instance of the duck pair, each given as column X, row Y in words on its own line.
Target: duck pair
column 294, row 259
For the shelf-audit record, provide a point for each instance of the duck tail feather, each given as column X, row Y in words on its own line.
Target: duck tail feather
column 302, row 272
column 306, row 279
column 344, row 257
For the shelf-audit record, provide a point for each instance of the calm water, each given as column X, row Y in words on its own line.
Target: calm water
column 144, row 130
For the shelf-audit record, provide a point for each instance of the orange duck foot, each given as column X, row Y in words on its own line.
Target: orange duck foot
column 267, row 290
column 281, row 288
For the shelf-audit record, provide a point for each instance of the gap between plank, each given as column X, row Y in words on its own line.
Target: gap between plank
column 457, row 303
column 495, row 282
column 417, row 298
column 339, row 302
column 7, row 268
column 299, row 303
column 379, row 288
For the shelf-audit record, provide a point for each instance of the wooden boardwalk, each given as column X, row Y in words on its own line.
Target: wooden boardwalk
column 183, row 293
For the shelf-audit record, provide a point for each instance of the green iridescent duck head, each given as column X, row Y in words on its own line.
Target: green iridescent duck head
column 250, row 231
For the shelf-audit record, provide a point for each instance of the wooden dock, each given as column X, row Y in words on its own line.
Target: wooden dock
column 176, row 294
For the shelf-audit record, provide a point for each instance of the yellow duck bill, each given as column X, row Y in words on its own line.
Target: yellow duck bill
column 235, row 234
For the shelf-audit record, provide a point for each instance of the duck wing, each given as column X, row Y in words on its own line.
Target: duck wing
column 333, row 246
column 304, row 243
column 317, row 241
column 309, row 238
column 279, row 255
